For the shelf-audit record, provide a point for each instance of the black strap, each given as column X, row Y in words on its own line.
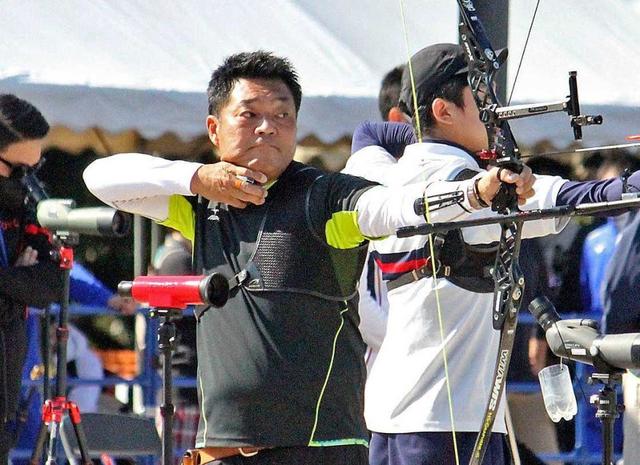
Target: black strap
column 425, row 271
column 236, row 281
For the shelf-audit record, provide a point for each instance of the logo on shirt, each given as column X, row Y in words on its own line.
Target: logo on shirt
column 213, row 208
column 214, row 214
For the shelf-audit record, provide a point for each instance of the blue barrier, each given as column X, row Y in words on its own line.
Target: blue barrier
column 150, row 383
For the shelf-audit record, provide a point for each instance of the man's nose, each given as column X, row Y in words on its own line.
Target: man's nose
column 266, row 126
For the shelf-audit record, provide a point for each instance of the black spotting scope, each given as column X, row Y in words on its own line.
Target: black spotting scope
column 59, row 215
column 580, row 340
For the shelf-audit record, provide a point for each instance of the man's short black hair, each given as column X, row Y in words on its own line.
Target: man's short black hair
column 451, row 90
column 250, row 65
column 390, row 91
column 19, row 120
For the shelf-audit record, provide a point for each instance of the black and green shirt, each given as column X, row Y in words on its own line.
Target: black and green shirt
column 281, row 364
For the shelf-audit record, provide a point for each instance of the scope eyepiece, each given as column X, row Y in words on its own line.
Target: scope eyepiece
column 543, row 311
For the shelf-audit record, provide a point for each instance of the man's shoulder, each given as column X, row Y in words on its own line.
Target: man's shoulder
column 297, row 170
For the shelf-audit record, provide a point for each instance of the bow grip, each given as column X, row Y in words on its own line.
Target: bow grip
column 506, row 200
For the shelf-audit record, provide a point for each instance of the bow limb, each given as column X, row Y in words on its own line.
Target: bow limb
column 418, row 129
column 507, row 299
column 509, row 281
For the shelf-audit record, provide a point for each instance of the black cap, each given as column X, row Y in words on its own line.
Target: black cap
column 432, row 66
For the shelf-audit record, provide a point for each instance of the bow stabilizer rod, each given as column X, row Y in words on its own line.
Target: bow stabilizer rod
column 588, row 209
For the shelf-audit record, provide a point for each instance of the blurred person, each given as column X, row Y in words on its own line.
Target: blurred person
column 597, row 250
column 173, row 257
column 621, row 305
column 28, row 274
column 600, row 243
column 560, row 254
column 281, row 365
column 373, row 305
column 557, row 249
column 389, row 95
column 527, row 408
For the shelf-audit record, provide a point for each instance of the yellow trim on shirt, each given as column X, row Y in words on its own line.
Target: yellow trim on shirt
column 181, row 217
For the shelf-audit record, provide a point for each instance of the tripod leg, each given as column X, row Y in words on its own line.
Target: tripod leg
column 74, row 415
column 53, row 443
column 36, row 455
column 166, row 336
column 607, row 440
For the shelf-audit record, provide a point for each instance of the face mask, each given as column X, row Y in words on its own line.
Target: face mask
column 12, row 193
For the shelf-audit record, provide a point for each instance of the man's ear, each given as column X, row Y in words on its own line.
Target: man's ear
column 212, row 129
column 441, row 110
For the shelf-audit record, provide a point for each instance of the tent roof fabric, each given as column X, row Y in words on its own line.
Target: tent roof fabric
column 123, row 64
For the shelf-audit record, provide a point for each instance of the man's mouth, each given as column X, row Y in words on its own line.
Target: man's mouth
column 264, row 145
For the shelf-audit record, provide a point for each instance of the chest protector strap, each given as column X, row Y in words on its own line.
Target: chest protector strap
column 467, row 266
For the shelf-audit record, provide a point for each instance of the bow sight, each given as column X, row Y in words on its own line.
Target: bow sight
column 571, row 105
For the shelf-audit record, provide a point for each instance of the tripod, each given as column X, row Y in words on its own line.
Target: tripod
column 53, row 410
column 166, row 339
column 606, row 402
column 169, row 296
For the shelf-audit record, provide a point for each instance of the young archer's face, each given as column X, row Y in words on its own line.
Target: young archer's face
column 474, row 134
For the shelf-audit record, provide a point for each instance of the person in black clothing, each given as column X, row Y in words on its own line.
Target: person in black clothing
column 28, row 275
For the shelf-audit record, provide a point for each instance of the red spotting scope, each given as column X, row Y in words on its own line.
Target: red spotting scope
column 177, row 291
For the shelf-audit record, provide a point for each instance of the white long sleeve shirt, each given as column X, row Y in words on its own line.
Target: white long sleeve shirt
column 406, row 389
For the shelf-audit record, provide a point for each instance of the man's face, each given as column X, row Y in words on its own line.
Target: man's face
column 23, row 153
column 257, row 127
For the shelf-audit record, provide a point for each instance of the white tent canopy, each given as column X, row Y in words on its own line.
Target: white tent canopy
column 136, row 64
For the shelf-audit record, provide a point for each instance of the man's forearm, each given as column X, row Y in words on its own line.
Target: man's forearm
column 139, row 183
column 576, row 192
column 383, row 210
